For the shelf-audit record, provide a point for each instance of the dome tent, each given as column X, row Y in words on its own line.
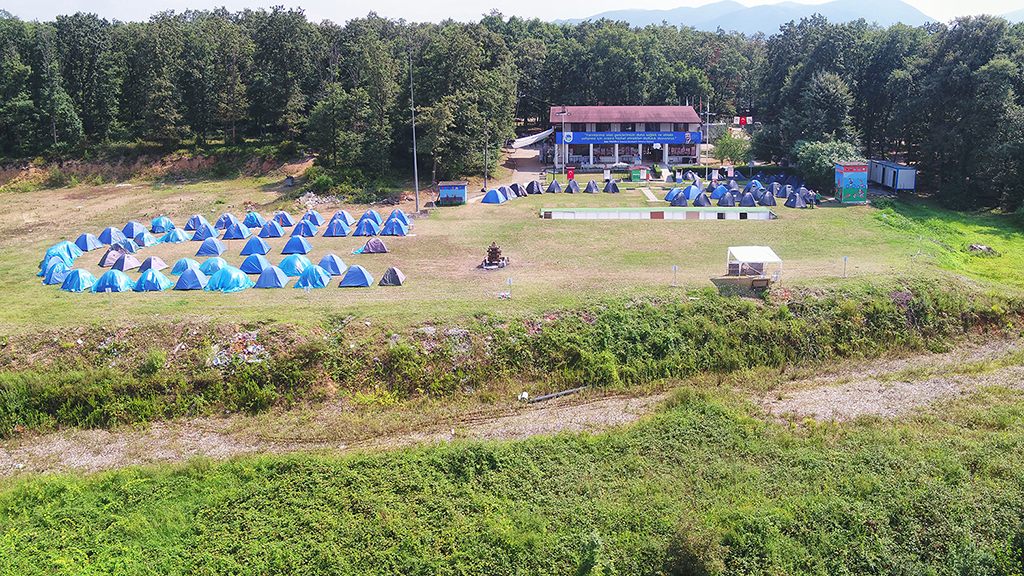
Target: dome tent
column 271, row 229
column 672, row 194
column 111, row 235
column 679, row 200
column 747, row 200
column 702, row 200
column 399, row 214
column 228, row 280
column 78, row 280
column 313, row 277
column 87, row 242
column 182, row 265
column 113, row 281
column 795, row 201
column 516, row 189
column 237, row 231
column 610, row 187
column 49, row 261
column 56, row 273
column 255, row 245
column 272, row 277
column 334, row 265
column 719, row 192
column 254, row 264
column 191, row 279
column 226, row 220
column 692, row 192
column 282, row 218
column 254, row 220
column 212, row 265
column 126, row 262
column 111, row 256
column 392, row 277
column 67, row 251
column 375, row 216
column 345, row 217
column 195, row 222
column 153, row 263
column 304, row 228
column 356, row 277
column 572, row 187
column 145, row 240
column 314, row 218
column 175, row 236
column 161, row 225
column 203, row 232
column 372, row 246
column 492, row 197
column 128, row 245
column 506, row 192
column 727, row 200
column 394, row 228
column 533, row 187
column 767, row 199
column 294, row 265
column 553, row 188
column 592, row 188
column 133, row 229
column 152, row 281
column 336, row 228
column 366, row 227
column 297, row 245
column 211, row 247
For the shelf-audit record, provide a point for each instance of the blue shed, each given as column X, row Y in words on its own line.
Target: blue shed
column 452, row 193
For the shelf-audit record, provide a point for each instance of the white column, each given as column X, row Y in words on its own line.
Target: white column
column 664, row 154
column 591, row 154
column 616, row 153
column 639, row 153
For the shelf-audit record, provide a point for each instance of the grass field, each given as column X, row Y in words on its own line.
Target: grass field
column 554, row 263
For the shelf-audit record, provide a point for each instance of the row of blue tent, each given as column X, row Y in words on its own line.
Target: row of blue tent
column 751, row 195
column 503, row 194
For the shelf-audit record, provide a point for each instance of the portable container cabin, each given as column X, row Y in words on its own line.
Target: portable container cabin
column 851, row 181
column 452, row 193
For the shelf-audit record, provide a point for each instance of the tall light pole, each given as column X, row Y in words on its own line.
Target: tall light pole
column 485, row 153
column 565, row 146
column 415, row 163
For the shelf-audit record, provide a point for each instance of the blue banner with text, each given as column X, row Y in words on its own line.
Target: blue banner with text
column 628, row 138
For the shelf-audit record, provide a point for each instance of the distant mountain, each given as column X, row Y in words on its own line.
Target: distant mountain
column 767, row 18
column 1015, row 16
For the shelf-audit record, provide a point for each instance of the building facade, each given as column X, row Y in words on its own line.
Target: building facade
column 600, row 136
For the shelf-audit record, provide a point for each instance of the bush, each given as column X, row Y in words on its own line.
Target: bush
column 732, row 149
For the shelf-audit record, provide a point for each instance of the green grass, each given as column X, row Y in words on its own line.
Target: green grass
column 705, row 487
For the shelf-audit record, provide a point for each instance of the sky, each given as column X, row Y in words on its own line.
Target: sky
column 433, row 10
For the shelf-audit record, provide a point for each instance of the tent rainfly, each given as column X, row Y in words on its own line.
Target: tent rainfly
column 161, row 225
column 272, row 277
column 751, row 261
column 393, row 277
column 592, row 188
column 175, row 236
column 372, row 246
column 533, row 139
column 533, row 187
column 297, row 245
column 255, row 245
column 553, row 188
column 611, row 187
column 572, row 187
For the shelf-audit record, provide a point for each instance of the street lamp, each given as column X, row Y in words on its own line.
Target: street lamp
column 565, row 146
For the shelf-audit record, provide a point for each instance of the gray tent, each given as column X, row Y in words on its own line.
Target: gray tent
column 748, row 200
column 592, row 188
column 111, row 255
column 796, row 201
column 732, row 186
column 702, row 200
column 554, row 187
column 766, row 199
column 534, row 187
column 517, row 189
column 727, row 200
column 374, row 246
column 784, row 192
column 507, row 192
column 611, row 187
column 572, row 187
column 393, row 277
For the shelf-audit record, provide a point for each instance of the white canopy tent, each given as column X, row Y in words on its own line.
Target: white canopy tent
column 527, row 140
column 751, row 260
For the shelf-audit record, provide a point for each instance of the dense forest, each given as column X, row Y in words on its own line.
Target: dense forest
column 948, row 99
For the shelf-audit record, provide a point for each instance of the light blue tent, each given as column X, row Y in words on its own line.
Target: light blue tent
column 672, row 194
column 283, row 218
column 153, row 281
column 51, row 261
column 153, row 263
column 752, row 185
column 254, row 220
column 67, row 251
column 313, row 277
column 161, row 225
column 237, row 231
column 111, row 235
column 195, row 222
column 211, row 247
column 145, row 240
column 304, row 228
column 128, row 245
column 719, row 192
column 226, row 220
column 191, row 279
column 372, row 214
column 204, row 231
column 337, row 227
column 314, row 217
column 182, row 265
column 345, row 216
column 272, row 277
column 87, row 242
column 78, row 281
column 255, row 245
column 394, row 228
column 294, row 265
column 228, row 280
column 254, row 264
column 113, row 281
column 692, row 192
column 133, row 229
column 334, row 265
column 366, row 227
column 212, row 265
column 494, row 197
column 356, row 277
column 175, row 236
column 56, row 273
column 297, row 245
column 271, row 230
column 399, row 214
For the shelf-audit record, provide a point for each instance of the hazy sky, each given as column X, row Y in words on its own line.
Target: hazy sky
column 432, row 10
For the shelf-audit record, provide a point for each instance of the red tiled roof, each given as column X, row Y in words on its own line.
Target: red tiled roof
column 681, row 114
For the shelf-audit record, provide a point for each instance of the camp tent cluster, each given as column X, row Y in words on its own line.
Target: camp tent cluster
column 215, row 273
column 503, row 194
column 791, row 191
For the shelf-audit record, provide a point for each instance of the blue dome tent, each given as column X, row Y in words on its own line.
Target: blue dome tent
column 727, row 200
column 212, row 265
column 128, row 245
column 672, row 194
column 692, row 191
column 153, row 281
column 49, row 261
column 702, row 200
column 554, row 188
column 211, row 247
column 572, row 187
column 366, row 228
column 203, row 232
column 611, row 187
column 133, row 229
column 297, row 245
column 67, row 251
column 56, row 273
column 191, row 279
column 282, row 218
column 111, row 235
column 254, row 264
column 356, row 277
column 87, row 242
column 272, row 277
column 397, row 213
column 718, row 192
column 294, row 265
column 314, row 217
column 313, row 277
column 747, row 200
column 226, row 220
column 394, row 228
column 255, row 245
column 161, row 225
column 254, row 220
column 175, row 236
column 228, row 280
column 182, row 265
column 304, row 228
column 336, row 227
column 767, row 199
column 344, row 216
column 196, row 221
column 78, row 280
column 592, row 187
column 113, row 281
column 237, row 231
column 494, row 197
column 271, row 229
column 334, row 265
column 145, row 240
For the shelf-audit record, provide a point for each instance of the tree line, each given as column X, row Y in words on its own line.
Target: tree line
column 945, row 97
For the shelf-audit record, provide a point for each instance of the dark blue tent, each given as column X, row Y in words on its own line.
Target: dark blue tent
column 113, row 281
column 727, row 200
column 554, row 188
column 255, row 245
column 297, row 245
column 572, row 187
column 78, row 281
column 133, row 229
column 766, row 199
column 747, row 200
column 366, row 228
column 87, row 242
column 271, row 229
column 492, row 197
column 679, row 200
column 111, row 235
column 702, row 200
column 356, row 277
column 196, row 221
column 313, row 277
column 174, row 237
column 152, row 281
column 337, row 227
column 304, row 228
column 254, row 264
column 592, row 187
column 152, row 263
column 161, row 225
column 345, row 216
column 254, row 220
column 204, row 231
column 314, row 218
column 533, row 187
column 191, row 279
column 334, row 265
column 213, row 264
column 692, row 192
column 283, row 218
column 272, row 277
column 784, row 192
column 211, row 247
column 610, row 187
column 394, row 228
column 796, row 201
column 373, row 215
column 294, row 265
column 505, row 191
column 226, row 220
column 182, row 265
column 228, row 279
column 236, row 231
column 672, row 194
